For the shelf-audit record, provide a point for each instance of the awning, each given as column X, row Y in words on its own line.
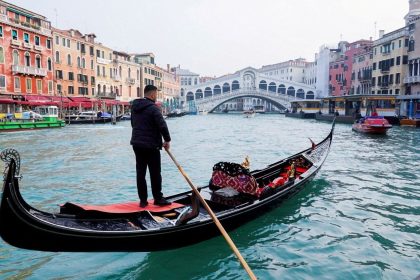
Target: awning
column 37, row 98
column 6, row 100
column 82, row 99
column 78, row 104
column 59, row 99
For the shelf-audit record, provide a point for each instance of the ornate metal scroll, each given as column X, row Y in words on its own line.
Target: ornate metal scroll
column 7, row 155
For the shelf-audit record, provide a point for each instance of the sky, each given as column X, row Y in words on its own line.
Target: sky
column 217, row 37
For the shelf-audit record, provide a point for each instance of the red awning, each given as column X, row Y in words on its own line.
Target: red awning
column 125, row 103
column 7, row 101
column 59, row 99
column 82, row 99
column 37, row 103
column 78, row 104
column 37, row 98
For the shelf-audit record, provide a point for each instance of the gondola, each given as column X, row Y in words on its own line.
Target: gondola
column 79, row 228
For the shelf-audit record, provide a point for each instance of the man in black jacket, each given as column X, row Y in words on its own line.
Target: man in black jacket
column 148, row 129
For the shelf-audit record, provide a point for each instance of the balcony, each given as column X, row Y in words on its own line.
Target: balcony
column 27, row 70
column 107, row 94
column 130, row 81
column 101, row 60
column 24, row 25
column 16, row 43
column 117, row 78
column 27, row 45
column 385, row 70
column 383, row 85
column 38, row 48
column 412, row 80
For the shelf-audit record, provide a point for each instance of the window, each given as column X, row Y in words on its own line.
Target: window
column 406, row 43
column 78, row 62
column 17, row 84
column 59, row 74
column 91, row 51
column 70, row 90
column 50, row 86
column 64, row 42
column 26, row 37
column 398, row 78
column 98, row 70
column 411, row 46
column 405, row 59
column 38, row 61
column 103, row 71
column 399, row 44
column 373, row 81
column 48, row 44
column 57, row 57
column 59, row 89
column 398, row 60
column 71, row 76
column 1, row 31
column 68, row 59
column 78, row 46
column 397, row 91
column 68, row 43
column 98, row 53
column 29, row 85
column 82, row 48
column 91, row 65
column 37, row 41
column 83, row 63
column 374, row 66
column 14, row 34
column 57, row 40
column 15, row 57
column 39, row 86
column 49, row 64
column 2, row 81
column 1, row 55
column 92, row 81
column 27, row 59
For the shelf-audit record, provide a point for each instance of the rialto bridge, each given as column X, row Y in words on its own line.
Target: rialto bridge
column 243, row 84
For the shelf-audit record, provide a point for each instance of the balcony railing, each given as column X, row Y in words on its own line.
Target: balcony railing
column 101, row 60
column 107, row 94
column 385, row 70
column 117, row 78
column 27, row 45
column 412, row 79
column 130, row 81
column 38, row 48
column 27, row 70
column 25, row 25
column 383, row 85
column 16, row 43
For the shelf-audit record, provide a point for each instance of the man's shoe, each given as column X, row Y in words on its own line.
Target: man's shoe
column 162, row 202
column 143, row 204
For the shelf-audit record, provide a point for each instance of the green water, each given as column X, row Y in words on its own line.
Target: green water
column 359, row 218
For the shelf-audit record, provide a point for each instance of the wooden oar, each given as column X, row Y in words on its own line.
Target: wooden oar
column 215, row 219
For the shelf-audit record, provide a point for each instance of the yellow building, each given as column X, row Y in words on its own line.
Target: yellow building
column 389, row 63
column 106, row 83
column 128, row 75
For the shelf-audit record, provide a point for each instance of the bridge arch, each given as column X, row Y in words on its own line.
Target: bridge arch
column 291, row 91
column 272, row 87
column 262, row 85
column 310, row 95
column 198, row 94
column 226, row 87
column 217, row 90
column 190, row 96
column 300, row 93
column 258, row 97
column 281, row 89
column 208, row 92
column 235, row 85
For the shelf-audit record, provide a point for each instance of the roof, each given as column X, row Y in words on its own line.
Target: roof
column 185, row 72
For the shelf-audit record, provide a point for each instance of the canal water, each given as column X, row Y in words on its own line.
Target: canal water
column 358, row 219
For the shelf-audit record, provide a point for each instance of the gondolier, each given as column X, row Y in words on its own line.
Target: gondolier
column 149, row 127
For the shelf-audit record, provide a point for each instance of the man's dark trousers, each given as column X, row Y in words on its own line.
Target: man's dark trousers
column 148, row 158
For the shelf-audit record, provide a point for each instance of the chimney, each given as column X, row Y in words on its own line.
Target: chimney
column 381, row 33
column 370, row 38
column 72, row 32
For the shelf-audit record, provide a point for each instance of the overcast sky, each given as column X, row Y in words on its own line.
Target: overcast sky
column 216, row 37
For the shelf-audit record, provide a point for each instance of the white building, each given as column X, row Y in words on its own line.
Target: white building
column 291, row 70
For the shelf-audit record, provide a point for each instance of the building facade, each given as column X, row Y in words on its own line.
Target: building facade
column 389, row 63
column 291, row 70
column 26, row 65
column 171, row 89
column 74, row 63
column 127, row 73
column 107, row 84
column 340, row 73
column 361, row 75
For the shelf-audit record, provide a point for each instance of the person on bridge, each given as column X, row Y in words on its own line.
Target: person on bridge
column 148, row 128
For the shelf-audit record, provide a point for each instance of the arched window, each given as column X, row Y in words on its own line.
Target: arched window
column 91, row 65
column 138, row 75
column 78, row 62
column 120, row 71
column 272, row 87
column 190, row 96
column 68, row 59
column 38, row 61
column 57, row 57
column 15, row 57
column 281, row 89
column 300, row 93
column 226, row 87
column 310, row 95
column 104, row 88
column 117, row 91
column 208, row 92
column 291, row 91
column 198, row 94
column 217, row 90
column 83, row 63
column 99, row 89
column 49, row 64
column 138, row 90
column 129, row 72
column 235, row 85
column 263, row 85
column 182, row 92
column 27, row 59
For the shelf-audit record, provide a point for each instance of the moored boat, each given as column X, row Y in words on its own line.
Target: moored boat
column 127, row 227
column 249, row 114
column 372, row 125
column 42, row 117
